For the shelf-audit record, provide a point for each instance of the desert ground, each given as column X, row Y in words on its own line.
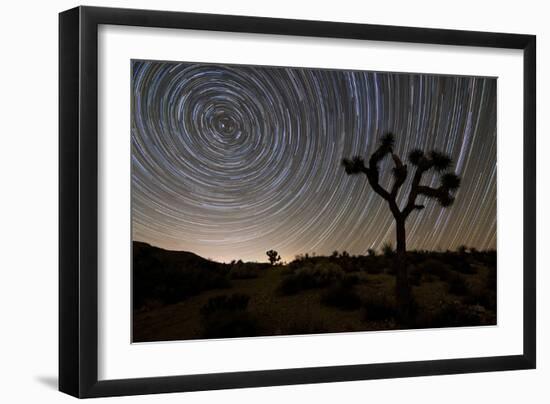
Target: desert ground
column 181, row 296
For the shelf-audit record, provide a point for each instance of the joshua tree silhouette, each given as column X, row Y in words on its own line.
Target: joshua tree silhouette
column 423, row 163
column 273, row 256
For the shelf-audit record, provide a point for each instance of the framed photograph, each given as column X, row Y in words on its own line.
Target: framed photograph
column 251, row 202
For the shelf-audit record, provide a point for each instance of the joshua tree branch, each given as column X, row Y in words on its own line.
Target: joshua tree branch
column 442, row 194
column 399, row 174
column 372, row 176
column 411, row 202
column 431, row 192
column 433, row 160
column 357, row 166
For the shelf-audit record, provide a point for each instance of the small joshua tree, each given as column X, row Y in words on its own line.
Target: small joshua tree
column 273, row 256
column 443, row 194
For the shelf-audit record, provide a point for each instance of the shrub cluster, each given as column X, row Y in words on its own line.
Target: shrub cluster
column 379, row 308
column 435, row 268
column 310, row 277
column 342, row 296
column 227, row 317
column 457, row 285
column 306, row 326
column 483, row 298
column 491, row 282
column 450, row 315
column 234, row 302
column 244, row 271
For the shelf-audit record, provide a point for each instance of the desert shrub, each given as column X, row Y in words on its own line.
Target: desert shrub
column 416, row 257
column 464, row 267
column 287, row 270
column 298, row 262
column 347, row 262
column 486, row 299
column 296, row 282
column 236, row 301
column 450, row 315
column 231, row 324
column 430, row 266
column 390, row 269
column 491, row 281
column 226, row 317
column 415, row 275
column 310, row 277
column 428, row 278
column 482, row 296
column 457, row 285
column 375, row 265
column 326, row 273
column 379, row 308
column 488, row 258
column 350, row 280
column 374, row 269
column 457, row 262
column 342, row 297
column 305, row 325
column 435, row 268
column 387, row 250
column 244, row 271
column 350, row 265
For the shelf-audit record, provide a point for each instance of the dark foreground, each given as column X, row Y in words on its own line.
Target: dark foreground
column 179, row 295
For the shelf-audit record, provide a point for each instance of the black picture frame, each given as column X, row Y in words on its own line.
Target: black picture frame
column 78, row 201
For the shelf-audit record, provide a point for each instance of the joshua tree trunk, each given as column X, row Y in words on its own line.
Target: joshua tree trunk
column 402, row 289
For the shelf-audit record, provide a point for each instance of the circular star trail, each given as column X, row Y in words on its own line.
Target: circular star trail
column 230, row 161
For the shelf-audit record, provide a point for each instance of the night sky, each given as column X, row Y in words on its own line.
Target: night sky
column 230, row 161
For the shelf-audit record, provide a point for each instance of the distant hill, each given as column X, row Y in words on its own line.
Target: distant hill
column 171, row 276
column 168, row 257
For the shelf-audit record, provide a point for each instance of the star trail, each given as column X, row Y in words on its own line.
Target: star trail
column 230, row 161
